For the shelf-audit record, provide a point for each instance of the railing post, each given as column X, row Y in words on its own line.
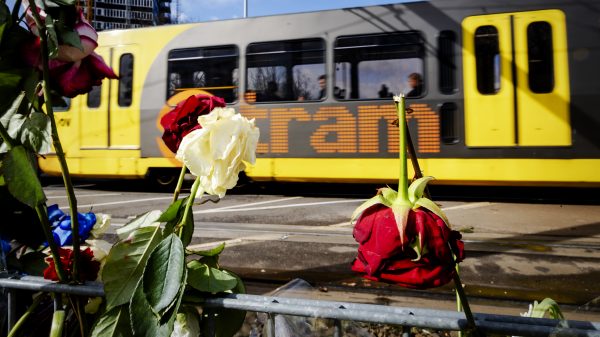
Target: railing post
column 270, row 325
column 337, row 328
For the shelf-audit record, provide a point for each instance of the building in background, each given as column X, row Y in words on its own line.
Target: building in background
column 121, row 14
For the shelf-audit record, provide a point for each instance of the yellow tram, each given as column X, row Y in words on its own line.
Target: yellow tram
column 506, row 93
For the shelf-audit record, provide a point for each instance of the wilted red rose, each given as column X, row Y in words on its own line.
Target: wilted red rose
column 88, row 267
column 183, row 118
column 382, row 256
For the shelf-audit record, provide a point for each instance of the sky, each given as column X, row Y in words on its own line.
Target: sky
column 208, row 10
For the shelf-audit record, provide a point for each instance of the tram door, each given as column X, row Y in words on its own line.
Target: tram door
column 93, row 113
column 516, row 79
column 108, row 119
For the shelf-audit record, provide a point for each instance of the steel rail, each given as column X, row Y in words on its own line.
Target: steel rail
column 371, row 313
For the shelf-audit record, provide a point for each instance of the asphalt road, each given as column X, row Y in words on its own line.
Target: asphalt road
column 516, row 251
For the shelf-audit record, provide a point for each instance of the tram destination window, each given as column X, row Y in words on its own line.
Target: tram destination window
column 212, row 69
column 447, row 61
column 540, row 57
column 292, row 70
column 125, row 80
column 377, row 66
column 487, row 60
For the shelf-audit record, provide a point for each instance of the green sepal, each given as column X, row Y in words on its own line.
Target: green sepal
column 417, row 188
column 378, row 199
column 433, row 207
column 419, row 248
column 401, row 211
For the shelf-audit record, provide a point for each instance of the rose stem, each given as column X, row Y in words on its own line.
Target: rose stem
column 403, row 180
column 23, row 319
column 179, row 183
column 465, row 303
column 41, row 212
column 58, row 321
column 57, row 144
column 188, row 205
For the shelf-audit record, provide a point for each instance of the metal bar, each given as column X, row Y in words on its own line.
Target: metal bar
column 270, row 325
column 11, row 303
column 424, row 318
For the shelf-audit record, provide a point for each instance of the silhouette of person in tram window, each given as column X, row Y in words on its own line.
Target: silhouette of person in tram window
column 384, row 92
column 271, row 93
column 415, row 82
column 322, row 86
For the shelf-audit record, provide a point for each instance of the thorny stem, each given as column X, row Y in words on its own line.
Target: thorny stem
column 57, row 145
column 23, row 319
column 188, row 205
column 179, row 183
column 465, row 304
column 42, row 215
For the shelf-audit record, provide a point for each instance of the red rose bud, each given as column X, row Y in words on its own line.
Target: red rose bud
column 88, row 267
column 75, row 78
column 424, row 260
column 183, row 118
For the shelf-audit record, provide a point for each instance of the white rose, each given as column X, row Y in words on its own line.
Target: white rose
column 219, row 150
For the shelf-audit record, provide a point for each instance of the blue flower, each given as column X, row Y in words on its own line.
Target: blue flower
column 61, row 224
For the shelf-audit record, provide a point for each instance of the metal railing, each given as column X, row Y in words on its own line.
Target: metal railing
column 337, row 311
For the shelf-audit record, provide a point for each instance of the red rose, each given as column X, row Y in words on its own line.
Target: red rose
column 183, row 118
column 76, row 78
column 88, row 267
column 382, row 256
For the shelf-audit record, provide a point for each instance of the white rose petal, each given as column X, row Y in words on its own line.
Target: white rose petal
column 101, row 226
column 219, row 150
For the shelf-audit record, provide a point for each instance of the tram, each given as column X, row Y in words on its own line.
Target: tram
column 502, row 93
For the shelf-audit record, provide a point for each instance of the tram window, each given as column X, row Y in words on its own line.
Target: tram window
column 285, row 70
column 446, row 58
column 376, row 66
column 212, row 69
column 93, row 97
column 487, row 59
column 448, row 124
column 540, row 57
column 125, row 80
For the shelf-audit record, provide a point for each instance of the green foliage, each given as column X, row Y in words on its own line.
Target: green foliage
column 163, row 274
column 226, row 321
column 113, row 323
column 211, row 252
column 142, row 220
column 21, row 177
column 52, row 37
column 173, row 217
column 4, row 19
column 125, row 264
column 209, row 279
column 549, row 306
column 32, row 130
column 144, row 320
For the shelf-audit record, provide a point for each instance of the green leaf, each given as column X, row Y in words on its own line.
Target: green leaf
column 10, row 79
column 173, row 215
column 21, row 177
column 171, row 212
column 70, row 37
column 547, row 305
column 52, row 37
column 209, row 279
column 211, row 252
column 433, row 207
column 147, row 219
column 417, row 188
column 125, row 264
column 226, row 321
column 113, row 323
column 5, row 18
column 143, row 319
column 36, row 133
column 163, row 273
column 64, row 2
column 12, row 121
column 401, row 216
